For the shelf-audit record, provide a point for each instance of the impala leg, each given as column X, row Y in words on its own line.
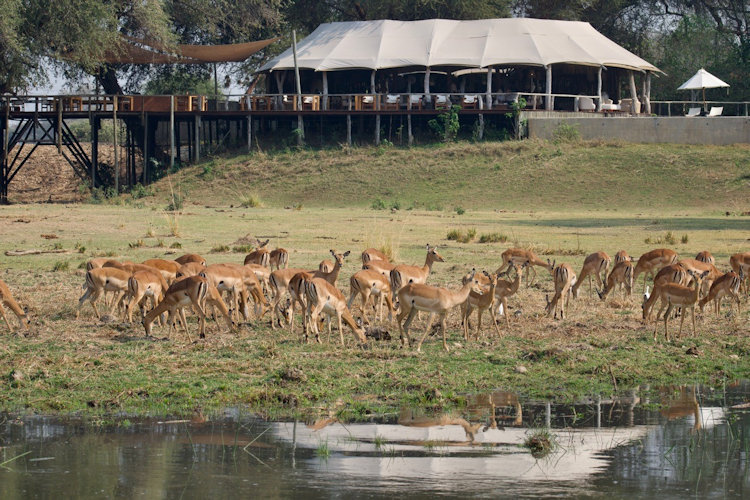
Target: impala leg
column 505, row 312
column 341, row 330
column 466, row 313
column 5, row 317
column 493, row 315
column 692, row 314
column 426, row 331
column 479, row 321
column 442, row 327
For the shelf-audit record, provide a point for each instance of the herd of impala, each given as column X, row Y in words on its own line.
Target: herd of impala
column 264, row 283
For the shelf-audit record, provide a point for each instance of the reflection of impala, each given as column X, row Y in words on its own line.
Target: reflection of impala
column 683, row 405
column 407, row 419
column 479, row 404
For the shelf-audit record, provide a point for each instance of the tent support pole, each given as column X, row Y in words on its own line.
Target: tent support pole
column 349, row 130
column 372, row 82
column 377, row 130
column 300, row 122
column 599, row 89
column 633, row 93
column 488, row 98
column 647, row 92
column 408, row 130
column 114, row 143
column 325, row 90
column 549, row 104
column 197, row 139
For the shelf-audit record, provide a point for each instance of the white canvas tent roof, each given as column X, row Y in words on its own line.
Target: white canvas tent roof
column 702, row 80
column 440, row 42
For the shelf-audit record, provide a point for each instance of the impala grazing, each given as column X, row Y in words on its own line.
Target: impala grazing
column 741, row 262
column 622, row 274
column 167, row 268
column 403, row 275
column 229, row 279
column 260, row 255
column 6, row 299
column 324, row 298
column 622, row 256
column 144, row 285
column 505, row 289
column 190, row 257
column 705, row 256
column 727, row 285
column 518, row 256
column 190, row 269
column 98, row 281
column 564, row 278
column 673, row 273
column 596, row 265
column 652, row 261
column 681, row 296
column 435, row 300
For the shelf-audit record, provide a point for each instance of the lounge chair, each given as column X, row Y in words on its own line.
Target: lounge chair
column 289, row 102
column 442, row 101
column 392, row 101
column 694, row 112
column 415, row 100
column 716, row 111
column 469, row 102
column 368, row 102
column 586, row 104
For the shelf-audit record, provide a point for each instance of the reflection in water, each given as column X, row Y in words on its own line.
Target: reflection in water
column 694, row 444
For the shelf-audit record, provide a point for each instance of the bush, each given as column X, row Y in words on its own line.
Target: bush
column 175, row 204
column 378, row 204
column 493, row 238
column 251, row 201
column 219, row 249
column 684, row 239
column 242, row 249
column 460, row 210
column 61, row 265
column 566, row 132
column 139, row 191
column 460, row 236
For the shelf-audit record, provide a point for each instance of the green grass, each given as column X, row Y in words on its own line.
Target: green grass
column 68, row 365
column 525, row 175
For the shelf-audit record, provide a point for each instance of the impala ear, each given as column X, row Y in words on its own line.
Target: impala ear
column 428, row 247
column 486, row 273
column 332, row 252
column 346, row 254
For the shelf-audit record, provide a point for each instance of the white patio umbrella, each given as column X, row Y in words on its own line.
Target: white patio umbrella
column 703, row 80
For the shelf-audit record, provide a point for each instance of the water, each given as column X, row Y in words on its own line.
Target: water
column 694, row 445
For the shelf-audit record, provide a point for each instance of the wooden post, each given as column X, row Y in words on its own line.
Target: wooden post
column 633, row 92
column 197, row 138
column 488, row 97
column 427, row 84
column 145, row 148
column 249, row 133
column 481, row 127
column 647, row 93
column 599, row 89
column 325, row 90
column 550, row 105
column 372, row 82
column 171, row 132
column 59, row 124
column 94, row 150
column 377, row 130
column 114, row 143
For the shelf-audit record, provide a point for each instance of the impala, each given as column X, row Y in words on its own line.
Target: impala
column 100, row 280
column 96, row 263
column 192, row 290
column 650, row 262
column 505, row 289
column 698, row 267
column 167, row 268
column 518, row 256
column 189, row 269
column 673, row 273
column 325, row 266
column 381, row 266
column 190, row 257
column 741, row 262
column 260, row 255
column 564, row 278
column 228, row 279
column 324, row 298
column 621, row 256
column 6, row 298
column 279, row 283
column 143, row 285
column 681, row 296
column 727, row 285
column 253, row 288
column 705, row 256
column 420, row 297
column 373, row 254
column 296, row 290
column 481, row 302
column 597, row 265
column 278, row 258
column 368, row 283
column 403, row 275
column 622, row 274
column 262, row 273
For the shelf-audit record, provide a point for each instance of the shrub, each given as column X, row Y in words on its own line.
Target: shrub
column 566, row 132
column 378, row 204
column 460, row 210
column 242, row 249
column 684, row 239
column 175, row 203
column 61, row 265
column 176, row 245
column 251, row 201
column 493, row 238
column 460, row 236
column 136, row 244
column 219, row 249
column 139, row 191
